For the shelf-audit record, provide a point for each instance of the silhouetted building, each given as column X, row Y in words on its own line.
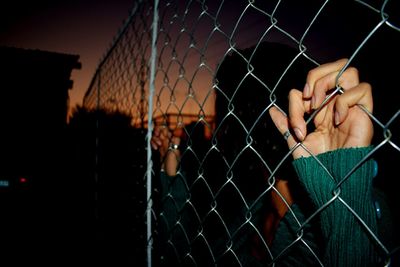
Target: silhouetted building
column 34, row 88
column 34, row 97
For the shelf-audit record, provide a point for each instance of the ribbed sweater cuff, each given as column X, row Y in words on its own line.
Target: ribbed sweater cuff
column 345, row 174
column 321, row 178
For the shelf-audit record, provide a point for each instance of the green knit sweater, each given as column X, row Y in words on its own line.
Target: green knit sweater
column 334, row 236
column 341, row 194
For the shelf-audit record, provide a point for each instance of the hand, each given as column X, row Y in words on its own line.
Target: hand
column 161, row 140
column 339, row 123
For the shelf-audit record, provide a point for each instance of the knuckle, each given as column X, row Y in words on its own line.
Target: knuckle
column 352, row 71
column 311, row 75
column 292, row 93
column 367, row 87
column 343, row 61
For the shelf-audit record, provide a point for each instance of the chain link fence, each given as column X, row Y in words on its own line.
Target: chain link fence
column 212, row 71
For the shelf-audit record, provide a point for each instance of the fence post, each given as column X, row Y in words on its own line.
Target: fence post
column 149, row 133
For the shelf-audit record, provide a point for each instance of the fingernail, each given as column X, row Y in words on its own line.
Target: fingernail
column 337, row 118
column 306, row 91
column 313, row 102
column 299, row 134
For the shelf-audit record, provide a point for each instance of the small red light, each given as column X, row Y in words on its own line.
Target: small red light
column 22, row 180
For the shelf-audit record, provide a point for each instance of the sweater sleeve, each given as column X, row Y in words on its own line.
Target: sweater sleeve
column 174, row 193
column 342, row 187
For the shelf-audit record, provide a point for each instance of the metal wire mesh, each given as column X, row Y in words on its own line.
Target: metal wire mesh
column 220, row 67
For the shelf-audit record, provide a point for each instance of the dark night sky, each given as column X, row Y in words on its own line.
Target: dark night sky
column 85, row 28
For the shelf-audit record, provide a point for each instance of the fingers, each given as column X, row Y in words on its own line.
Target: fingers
column 315, row 74
column 358, row 95
column 155, row 138
column 339, row 119
column 160, row 137
column 297, row 108
column 281, row 123
column 175, row 140
column 347, row 80
column 326, row 77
